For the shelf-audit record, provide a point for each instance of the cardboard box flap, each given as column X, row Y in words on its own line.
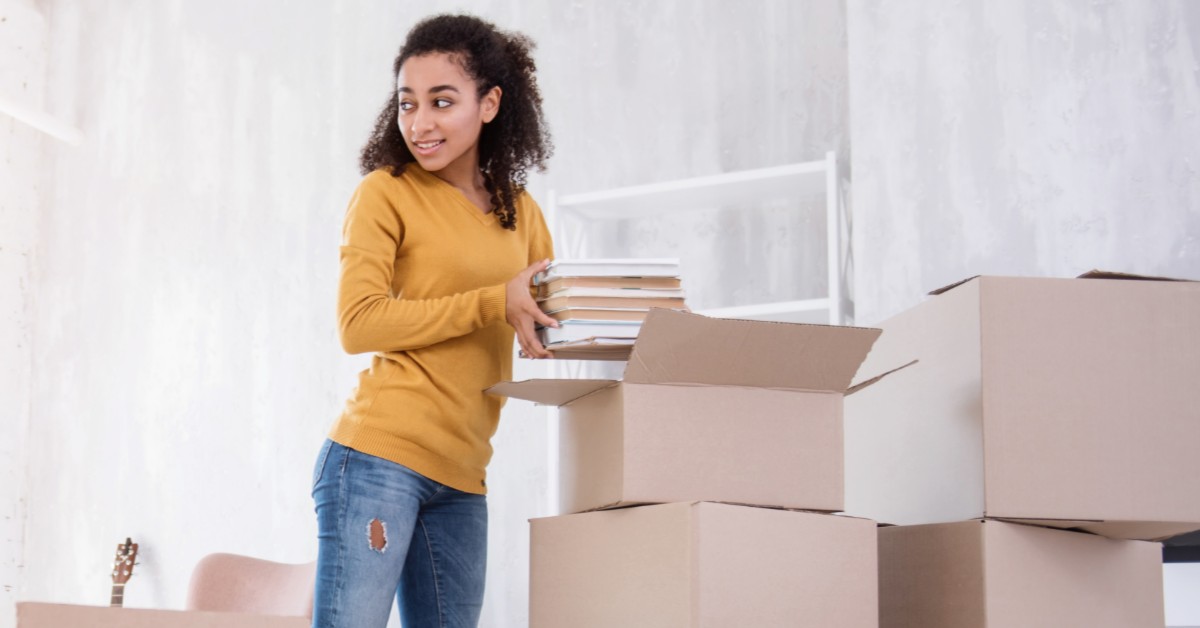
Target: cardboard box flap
column 1091, row 274
column 949, row 287
column 1130, row 530
column 682, row 348
column 549, row 392
column 1110, row 274
column 859, row 385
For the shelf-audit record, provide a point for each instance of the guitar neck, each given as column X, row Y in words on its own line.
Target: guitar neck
column 123, row 562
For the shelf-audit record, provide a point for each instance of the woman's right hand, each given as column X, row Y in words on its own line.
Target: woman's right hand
column 522, row 312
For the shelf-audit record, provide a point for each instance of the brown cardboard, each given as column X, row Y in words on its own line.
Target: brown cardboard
column 1066, row 402
column 46, row 615
column 992, row 574
column 692, row 565
column 683, row 348
column 1110, row 274
column 709, row 410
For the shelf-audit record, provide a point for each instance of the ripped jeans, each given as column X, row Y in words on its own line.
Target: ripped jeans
column 386, row 531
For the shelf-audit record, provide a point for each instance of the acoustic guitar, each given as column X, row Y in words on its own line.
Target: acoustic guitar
column 123, row 564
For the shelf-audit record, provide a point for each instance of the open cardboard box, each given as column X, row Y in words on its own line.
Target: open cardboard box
column 1072, row 403
column 692, row 565
column 709, row 410
column 47, row 615
column 991, row 574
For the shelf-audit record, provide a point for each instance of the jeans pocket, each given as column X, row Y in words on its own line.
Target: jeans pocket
column 322, row 457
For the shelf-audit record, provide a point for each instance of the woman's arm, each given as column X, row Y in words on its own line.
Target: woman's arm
column 369, row 318
column 523, row 312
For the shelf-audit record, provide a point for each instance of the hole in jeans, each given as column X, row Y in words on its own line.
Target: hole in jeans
column 377, row 535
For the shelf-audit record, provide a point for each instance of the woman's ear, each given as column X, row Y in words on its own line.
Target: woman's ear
column 490, row 104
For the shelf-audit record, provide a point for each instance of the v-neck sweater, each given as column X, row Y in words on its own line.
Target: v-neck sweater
column 422, row 284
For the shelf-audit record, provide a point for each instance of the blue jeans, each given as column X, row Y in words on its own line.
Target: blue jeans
column 385, row 530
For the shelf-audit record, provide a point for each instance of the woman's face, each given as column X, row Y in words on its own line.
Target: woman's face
column 440, row 116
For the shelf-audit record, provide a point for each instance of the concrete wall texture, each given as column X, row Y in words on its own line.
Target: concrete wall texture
column 22, row 80
column 1023, row 138
column 167, row 287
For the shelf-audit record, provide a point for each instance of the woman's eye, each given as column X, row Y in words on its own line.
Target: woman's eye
column 441, row 103
column 406, row 106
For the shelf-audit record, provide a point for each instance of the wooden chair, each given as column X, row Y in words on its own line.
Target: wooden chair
column 241, row 584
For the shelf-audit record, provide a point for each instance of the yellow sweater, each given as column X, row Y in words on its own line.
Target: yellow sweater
column 422, row 284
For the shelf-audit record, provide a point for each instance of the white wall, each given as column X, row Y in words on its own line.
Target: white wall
column 22, row 80
column 186, row 363
column 1181, row 588
column 1029, row 137
column 674, row 92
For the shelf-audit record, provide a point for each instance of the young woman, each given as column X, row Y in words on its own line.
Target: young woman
column 438, row 250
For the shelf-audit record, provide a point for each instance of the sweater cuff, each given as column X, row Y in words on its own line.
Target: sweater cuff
column 492, row 302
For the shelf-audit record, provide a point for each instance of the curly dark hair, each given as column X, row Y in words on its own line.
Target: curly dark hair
column 512, row 142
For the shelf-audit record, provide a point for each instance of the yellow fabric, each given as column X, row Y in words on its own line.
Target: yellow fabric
column 422, row 284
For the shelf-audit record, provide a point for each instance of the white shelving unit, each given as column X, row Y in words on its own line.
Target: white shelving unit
column 569, row 216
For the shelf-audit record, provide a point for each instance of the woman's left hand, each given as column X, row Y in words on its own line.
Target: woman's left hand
column 523, row 313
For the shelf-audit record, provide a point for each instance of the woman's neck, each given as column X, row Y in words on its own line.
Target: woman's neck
column 467, row 178
column 471, row 184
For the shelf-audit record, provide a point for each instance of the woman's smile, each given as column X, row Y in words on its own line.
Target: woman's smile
column 428, row 148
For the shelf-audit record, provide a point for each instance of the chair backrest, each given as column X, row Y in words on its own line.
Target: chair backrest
column 240, row 584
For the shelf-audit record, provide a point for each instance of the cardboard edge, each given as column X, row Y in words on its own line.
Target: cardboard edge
column 608, row 508
column 949, row 287
column 867, row 382
column 637, row 371
column 1091, row 274
column 1048, row 521
column 811, row 511
column 1081, row 526
column 1113, row 274
column 587, row 386
column 615, row 506
column 620, row 505
column 672, row 312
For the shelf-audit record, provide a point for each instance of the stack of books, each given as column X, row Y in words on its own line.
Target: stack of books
column 602, row 302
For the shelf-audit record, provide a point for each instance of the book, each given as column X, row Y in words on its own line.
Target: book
column 633, row 293
column 570, row 331
column 554, row 284
column 600, row 314
column 609, row 267
column 593, row 349
column 562, row 302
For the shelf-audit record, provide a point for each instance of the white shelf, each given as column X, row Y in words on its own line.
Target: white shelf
column 731, row 190
column 813, row 311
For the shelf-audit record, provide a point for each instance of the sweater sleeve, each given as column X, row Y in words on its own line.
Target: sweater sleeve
column 541, row 246
column 369, row 317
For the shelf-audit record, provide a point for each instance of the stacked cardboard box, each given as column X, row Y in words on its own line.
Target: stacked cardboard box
column 693, row 482
column 1035, row 404
column 991, row 574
